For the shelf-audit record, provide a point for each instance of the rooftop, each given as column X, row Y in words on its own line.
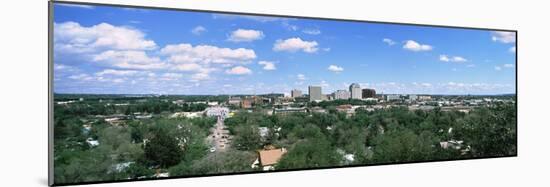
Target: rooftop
column 271, row 157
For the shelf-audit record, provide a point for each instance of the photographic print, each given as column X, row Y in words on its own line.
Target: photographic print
column 150, row 93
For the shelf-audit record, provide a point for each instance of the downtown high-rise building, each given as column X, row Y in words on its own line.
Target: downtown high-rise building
column 355, row 91
column 296, row 93
column 369, row 93
column 315, row 93
column 341, row 94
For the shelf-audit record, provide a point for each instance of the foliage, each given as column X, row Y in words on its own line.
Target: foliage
column 310, row 153
column 490, row 131
column 223, row 162
column 163, row 149
column 179, row 145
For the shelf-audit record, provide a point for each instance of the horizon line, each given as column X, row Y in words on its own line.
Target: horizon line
column 268, row 94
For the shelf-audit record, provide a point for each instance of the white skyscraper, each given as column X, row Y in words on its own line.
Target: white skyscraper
column 355, row 91
column 315, row 93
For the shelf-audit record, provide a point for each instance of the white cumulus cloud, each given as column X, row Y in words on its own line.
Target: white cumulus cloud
column 457, row 59
column 72, row 37
column 81, row 77
column 188, row 67
column 504, row 37
column 245, row 35
column 172, row 76
column 200, row 76
column 238, row 70
column 205, row 54
column 296, row 44
column 198, row 30
column 129, row 60
column 268, row 65
column 412, row 45
column 335, row 68
column 116, row 72
column 388, row 41
column 64, row 68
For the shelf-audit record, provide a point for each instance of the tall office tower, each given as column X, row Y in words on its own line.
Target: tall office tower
column 355, row 91
column 315, row 93
column 296, row 93
column 369, row 93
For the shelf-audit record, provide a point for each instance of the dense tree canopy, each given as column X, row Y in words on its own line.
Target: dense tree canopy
column 163, row 149
column 138, row 148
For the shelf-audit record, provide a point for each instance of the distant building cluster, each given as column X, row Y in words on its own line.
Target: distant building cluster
column 354, row 92
column 245, row 102
column 297, row 102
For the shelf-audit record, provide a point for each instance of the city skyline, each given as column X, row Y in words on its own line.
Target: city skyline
column 193, row 53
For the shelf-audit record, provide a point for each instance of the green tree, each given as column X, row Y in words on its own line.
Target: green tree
column 116, row 142
column 230, row 161
column 402, row 146
column 163, row 149
column 247, row 137
column 490, row 131
column 310, row 153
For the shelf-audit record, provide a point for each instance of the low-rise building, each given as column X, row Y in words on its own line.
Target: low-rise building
column 267, row 158
column 424, row 97
column 348, row 109
column 318, row 110
column 213, row 103
column 393, row 97
column 187, row 114
column 217, row 111
column 289, row 110
column 247, row 103
column 235, row 101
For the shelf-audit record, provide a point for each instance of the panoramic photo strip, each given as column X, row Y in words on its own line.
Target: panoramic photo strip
column 152, row 93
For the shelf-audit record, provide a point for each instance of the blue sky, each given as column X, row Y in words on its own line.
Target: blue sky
column 113, row 50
